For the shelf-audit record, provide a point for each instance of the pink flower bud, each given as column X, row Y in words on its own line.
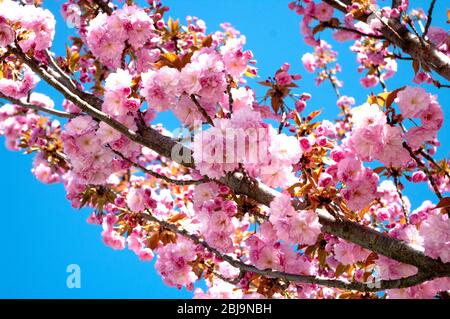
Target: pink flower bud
column 300, row 105
column 325, row 179
column 418, row 177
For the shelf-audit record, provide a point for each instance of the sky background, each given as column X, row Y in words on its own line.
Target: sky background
column 41, row 234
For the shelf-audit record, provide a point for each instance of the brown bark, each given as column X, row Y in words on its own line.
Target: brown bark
column 421, row 51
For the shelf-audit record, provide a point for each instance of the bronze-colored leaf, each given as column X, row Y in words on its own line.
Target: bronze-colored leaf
column 153, row 240
column 391, row 96
column 310, row 250
column 265, row 83
column 378, row 170
column 443, row 203
column 207, row 42
column 372, row 99
column 314, row 114
column 340, row 269
column 416, row 66
column 276, row 103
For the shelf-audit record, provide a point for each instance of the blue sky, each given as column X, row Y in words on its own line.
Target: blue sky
column 41, row 234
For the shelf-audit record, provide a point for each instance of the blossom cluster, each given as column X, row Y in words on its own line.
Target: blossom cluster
column 108, row 36
column 19, row 87
column 90, row 146
column 294, row 227
column 215, row 216
column 374, row 57
column 265, row 251
column 246, row 139
column 35, row 25
column 24, row 129
column 322, row 60
column 173, row 263
column 203, row 76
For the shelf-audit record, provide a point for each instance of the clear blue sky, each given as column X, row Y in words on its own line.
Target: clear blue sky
column 41, row 234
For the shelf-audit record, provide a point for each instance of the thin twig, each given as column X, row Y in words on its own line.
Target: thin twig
column 157, row 175
column 282, row 122
column 382, row 83
column 431, row 160
column 230, row 98
column 333, row 83
column 329, row 26
column 202, row 110
column 38, row 108
column 424, row 169
column 400, row 194
column 233, row 281
column 429, row 17
column 55, row 65
column 400, row 57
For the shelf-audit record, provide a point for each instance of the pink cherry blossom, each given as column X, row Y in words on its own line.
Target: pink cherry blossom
column 323, row 11
column 160, row 87
column 436, row 233
column 413, row 101
column 369, row 81
column 139, row 199
column 432, row 118
column 391, row 269
column 295, row 227
column 348, row 253
column 7, row 35
column 19, row 88
column 309, row 62
column 172, row 263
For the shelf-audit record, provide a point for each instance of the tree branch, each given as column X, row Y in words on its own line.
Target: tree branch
column 416, row 279
column 66, row 78
column 429, row 18
column 424, row 169
column 399, row 35
column 104, row 6
column 396, row 4
column 201, row 110
column 329, row 26
column 431, row 160
column 157, row 175
column 38, row 108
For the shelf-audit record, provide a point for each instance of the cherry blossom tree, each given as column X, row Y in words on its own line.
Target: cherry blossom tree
column 253, row 196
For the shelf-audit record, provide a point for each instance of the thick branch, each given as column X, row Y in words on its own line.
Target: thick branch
column 420, row 277
column 396, row 33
